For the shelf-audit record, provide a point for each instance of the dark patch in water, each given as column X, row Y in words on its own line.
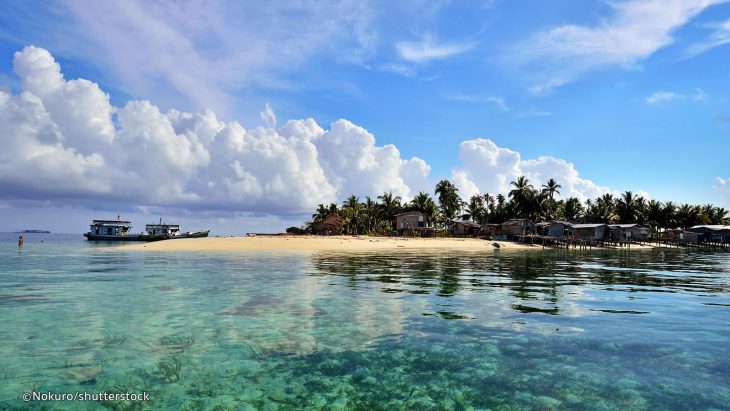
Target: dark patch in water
column 717, row 304
column 447, row 315
column 621, row 311
column 166, row 288
column 6, row 299
column 528, row 309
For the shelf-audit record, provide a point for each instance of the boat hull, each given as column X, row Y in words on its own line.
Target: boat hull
column 194, row 234
column 131, row 237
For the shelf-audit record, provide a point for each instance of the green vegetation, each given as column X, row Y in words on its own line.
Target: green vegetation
column 522, row 201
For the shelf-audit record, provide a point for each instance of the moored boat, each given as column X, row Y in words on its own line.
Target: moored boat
column 172, row 231
column 117, row 230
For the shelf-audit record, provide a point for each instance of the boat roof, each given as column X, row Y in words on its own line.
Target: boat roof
column 111, row 222
column 162, row 225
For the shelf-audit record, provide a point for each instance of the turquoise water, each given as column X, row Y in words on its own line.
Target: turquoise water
column 295, row 330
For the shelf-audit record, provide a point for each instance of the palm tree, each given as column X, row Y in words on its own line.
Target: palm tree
column 423, row 203
column 669, row 215
column 654, row 214
column 389, row 206
column 572, row 209
column 475, row 209
column 523, row 196
column 626, row 207
column 449, row 200
column 351, row 214
column 551, row 188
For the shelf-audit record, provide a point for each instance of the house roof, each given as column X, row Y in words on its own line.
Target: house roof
column 465, row 222
column 627, row 225
column 714, row 227
column 587, row 225
column 410, row 213
column 515, row 221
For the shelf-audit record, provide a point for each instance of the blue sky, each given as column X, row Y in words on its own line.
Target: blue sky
column 631, row 95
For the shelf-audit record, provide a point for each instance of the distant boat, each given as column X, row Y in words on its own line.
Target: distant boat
column 34, row 232
column 172, row 231
column 117, row 230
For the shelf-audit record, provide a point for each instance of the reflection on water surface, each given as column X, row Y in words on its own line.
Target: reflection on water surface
column 444, row 330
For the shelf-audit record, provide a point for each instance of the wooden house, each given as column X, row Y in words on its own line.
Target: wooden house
column 559, row 229
column 623, row 232
column 714, row 233
column 590, row 232
column 411, row 220
column 516, row 227
column 490, row 230
column 464, row 227
column 329, row 225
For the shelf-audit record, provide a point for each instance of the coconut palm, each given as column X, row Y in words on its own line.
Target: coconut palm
column 475, row 209
column 626, row 207
column 551, row 188
column 390, row 205
column 523, row 196
column 572, row 209
column 449, row 200
column 352, row 214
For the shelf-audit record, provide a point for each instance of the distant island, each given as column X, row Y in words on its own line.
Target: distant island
column 34, row 232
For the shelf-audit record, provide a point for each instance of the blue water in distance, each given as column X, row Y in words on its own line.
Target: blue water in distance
column 543, row 330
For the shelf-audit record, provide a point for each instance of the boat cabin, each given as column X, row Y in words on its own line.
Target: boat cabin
column 110, row 227
column 160, row 228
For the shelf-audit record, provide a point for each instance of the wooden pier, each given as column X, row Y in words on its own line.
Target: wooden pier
column 567, row 243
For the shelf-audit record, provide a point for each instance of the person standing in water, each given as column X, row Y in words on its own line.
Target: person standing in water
column 20, row 240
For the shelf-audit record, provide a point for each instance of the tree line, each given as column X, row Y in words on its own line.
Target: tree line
column 373, row 216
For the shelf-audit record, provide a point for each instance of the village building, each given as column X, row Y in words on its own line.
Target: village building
column 411, row 220
column 624, row 232
column 516, row 227
column 713, row 233
column 464, row 227
column 560, row 229
column 590, row 232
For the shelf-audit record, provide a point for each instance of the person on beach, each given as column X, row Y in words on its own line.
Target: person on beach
column 20, row 240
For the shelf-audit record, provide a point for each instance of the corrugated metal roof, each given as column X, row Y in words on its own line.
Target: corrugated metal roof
column 714, row 227
column 627, row 225
column 587, row 225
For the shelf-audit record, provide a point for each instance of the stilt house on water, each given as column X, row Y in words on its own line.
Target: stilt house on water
column 590, row 232
column 464, row 227
column 709, row 233
column 623, row 232
column 516, row 227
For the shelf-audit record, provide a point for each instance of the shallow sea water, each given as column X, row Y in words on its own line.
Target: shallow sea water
column 543, row 330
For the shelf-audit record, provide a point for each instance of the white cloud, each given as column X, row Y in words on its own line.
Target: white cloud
column 268, row 116
column 636, row 29
column 663, row 96
column 198, row 55
column 719, row 37
column 65, row 144
column 427, row 50
column 488, row 168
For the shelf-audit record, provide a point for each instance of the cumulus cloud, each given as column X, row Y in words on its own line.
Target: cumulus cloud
column 62, row 138
column 65, row 143
column 635, row 31
column 488, row 168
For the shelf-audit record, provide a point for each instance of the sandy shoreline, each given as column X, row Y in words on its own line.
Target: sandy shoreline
column 333, row 243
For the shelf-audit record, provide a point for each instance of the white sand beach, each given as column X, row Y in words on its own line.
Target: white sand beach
column 333, row 243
